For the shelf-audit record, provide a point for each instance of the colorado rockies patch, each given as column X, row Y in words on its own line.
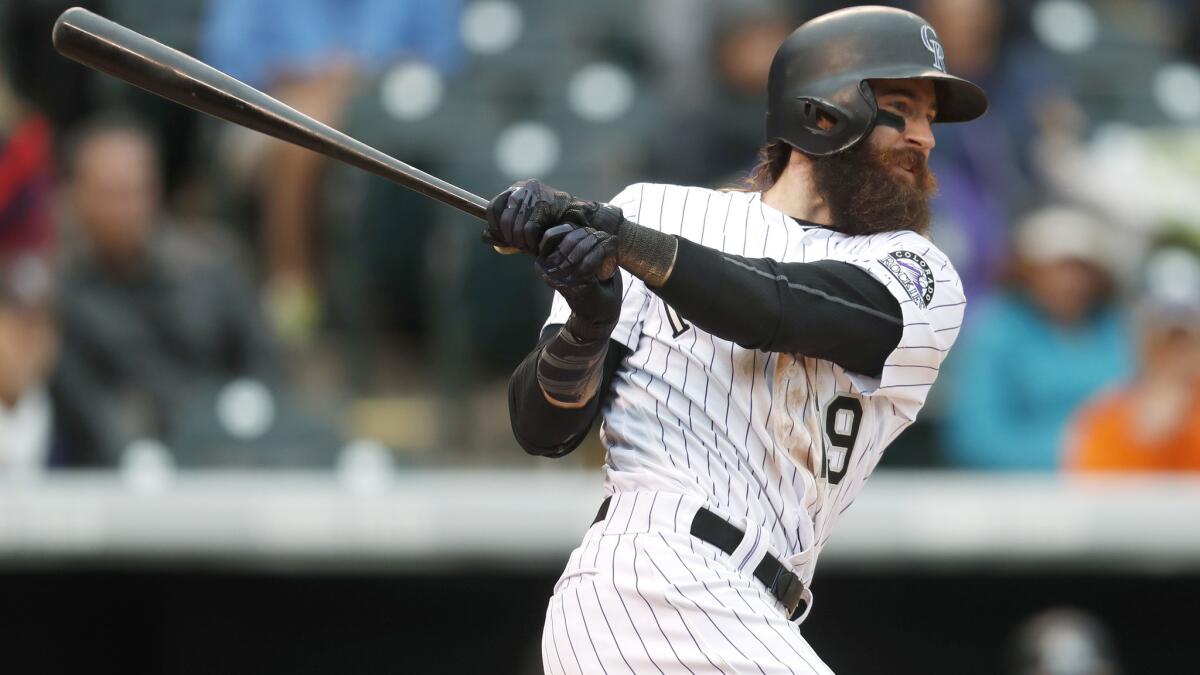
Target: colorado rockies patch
column 913, row 273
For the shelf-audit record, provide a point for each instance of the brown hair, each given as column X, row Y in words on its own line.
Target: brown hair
column 772, row 160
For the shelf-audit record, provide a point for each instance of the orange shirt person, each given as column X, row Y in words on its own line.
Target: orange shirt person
column 1153, row 423
column 1117, row 433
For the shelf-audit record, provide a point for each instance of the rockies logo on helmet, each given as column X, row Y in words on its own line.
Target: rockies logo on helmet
column 930, row 40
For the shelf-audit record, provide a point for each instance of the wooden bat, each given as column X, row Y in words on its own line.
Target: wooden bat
column 116, row 50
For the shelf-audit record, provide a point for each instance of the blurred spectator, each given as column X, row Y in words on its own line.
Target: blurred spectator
column 28, row 342
column 1129, row 147
column 38, row 426
column 715, row 143
column 150, row 310
column 25, row 177
column 310, row 54
column 1033, row 354
column 1063, row 641
column 1152, row 423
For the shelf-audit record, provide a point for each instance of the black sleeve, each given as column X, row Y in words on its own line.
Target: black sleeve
column 826, row 309
column 545, row 429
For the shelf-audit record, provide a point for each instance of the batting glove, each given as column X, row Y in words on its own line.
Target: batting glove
column 574, row 256
column 519, row 216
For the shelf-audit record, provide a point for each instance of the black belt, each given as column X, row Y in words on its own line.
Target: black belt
column 713, row 529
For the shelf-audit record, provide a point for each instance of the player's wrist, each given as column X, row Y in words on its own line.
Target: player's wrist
column 606, row 218
column 595, row 306
column 583, row 329
column 647, row 254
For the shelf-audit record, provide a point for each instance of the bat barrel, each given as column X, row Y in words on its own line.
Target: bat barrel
column 111, row 48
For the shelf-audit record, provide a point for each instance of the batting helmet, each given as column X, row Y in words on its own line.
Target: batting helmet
column 824, row 65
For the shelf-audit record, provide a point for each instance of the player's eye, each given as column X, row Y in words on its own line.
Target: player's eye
column 900, row 107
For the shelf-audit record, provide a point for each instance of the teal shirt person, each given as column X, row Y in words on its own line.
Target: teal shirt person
column 1017, row 378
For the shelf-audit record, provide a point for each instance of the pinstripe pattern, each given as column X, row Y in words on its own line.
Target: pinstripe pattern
column 642, row 595
column 742, row 432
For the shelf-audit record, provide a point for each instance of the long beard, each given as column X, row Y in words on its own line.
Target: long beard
column 866, row 195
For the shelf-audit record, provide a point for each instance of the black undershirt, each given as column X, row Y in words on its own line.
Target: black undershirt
column 826, row 309
column 542, row 428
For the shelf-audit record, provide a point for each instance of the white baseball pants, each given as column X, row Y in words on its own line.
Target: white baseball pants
column 642, row 595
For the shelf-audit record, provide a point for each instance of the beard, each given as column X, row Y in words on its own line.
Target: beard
column 867, row 195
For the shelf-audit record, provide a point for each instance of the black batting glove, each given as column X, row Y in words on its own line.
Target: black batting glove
column 571, row 254
column 595, row 303
column 518, row 217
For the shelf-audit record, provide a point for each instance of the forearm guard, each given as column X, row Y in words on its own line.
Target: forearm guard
column 569, row 368
column 543, row 428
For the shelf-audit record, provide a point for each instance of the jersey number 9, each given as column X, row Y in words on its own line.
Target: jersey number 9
column 843, row 418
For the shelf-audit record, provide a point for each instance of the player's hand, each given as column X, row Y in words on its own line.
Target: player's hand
column 571, row 254
column 518, row 217
column 570, row 268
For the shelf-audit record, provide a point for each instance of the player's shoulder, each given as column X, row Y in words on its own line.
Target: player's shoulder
column 899, row 244
column 906, row 260
column 637, row 195
column 908, row 248
column 904, row 240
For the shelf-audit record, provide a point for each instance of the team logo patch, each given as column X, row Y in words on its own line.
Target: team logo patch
column 930, row 40
column 913, row 273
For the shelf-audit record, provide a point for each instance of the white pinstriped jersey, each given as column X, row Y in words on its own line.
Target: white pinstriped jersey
column 780, row 441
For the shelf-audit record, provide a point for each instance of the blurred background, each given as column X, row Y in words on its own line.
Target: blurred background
column 252, row 402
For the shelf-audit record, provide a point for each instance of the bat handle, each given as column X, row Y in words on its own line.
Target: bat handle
column 504, row 250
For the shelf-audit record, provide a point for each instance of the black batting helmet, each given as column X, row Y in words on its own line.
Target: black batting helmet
column 823, row 66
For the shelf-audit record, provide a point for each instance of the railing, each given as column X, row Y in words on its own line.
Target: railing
column 532, row 518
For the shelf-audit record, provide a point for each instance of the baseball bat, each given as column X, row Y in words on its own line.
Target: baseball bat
column 111, row 48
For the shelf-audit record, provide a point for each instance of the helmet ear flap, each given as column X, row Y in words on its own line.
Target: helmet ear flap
column 823, row 124
column 821, row 118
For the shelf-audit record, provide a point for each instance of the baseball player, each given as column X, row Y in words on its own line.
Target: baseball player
column 751, row 360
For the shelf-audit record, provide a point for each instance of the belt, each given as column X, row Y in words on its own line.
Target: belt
column 713, row 529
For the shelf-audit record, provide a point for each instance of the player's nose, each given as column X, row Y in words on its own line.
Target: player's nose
column 918, row 134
